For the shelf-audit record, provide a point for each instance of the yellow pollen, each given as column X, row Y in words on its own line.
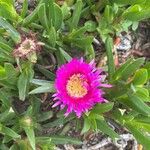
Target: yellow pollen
column 76, row 86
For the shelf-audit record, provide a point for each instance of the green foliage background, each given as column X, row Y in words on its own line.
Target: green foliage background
column 66, row 30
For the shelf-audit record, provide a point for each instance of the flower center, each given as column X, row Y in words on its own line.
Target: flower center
column 77, row 86
column 28, row 45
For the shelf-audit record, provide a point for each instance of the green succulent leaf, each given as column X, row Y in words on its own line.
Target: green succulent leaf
column 76, row 14
column 128, row 2
column 31, row 136
column 139, row 135
column 64, row 140
column 8, row 131
column 104, row 127
column 137, row 12
column 133, row 101
column 22, row 85
column 32, row 17
column 109, row 49
column 130, row 69
column 58, row 17
column 140, row 77
column 102, row 108
column 45, row 88
column 86, row 126
column 24, row 9
column 10, row 30
column 43, row 17
column 8, row 11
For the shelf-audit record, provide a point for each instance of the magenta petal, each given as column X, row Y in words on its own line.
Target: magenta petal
column 54, row 95
column 62, row 106
column 56, row 104
column 106, row 85
column 69, row 110
column 92, row 63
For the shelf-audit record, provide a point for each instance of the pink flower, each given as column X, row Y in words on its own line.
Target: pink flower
column 78, row 86
column 28, row 47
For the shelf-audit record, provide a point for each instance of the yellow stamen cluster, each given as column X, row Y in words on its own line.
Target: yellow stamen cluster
column 75, row 86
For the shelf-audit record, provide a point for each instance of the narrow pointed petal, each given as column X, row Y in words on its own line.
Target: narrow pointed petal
column 106, row 85
column 56, row 104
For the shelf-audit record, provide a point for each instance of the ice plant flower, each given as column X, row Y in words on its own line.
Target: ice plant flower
column 27, row 48
column 77, row 86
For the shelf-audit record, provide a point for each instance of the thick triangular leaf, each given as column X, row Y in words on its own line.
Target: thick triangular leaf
column 10, row 29
column 65, row 140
